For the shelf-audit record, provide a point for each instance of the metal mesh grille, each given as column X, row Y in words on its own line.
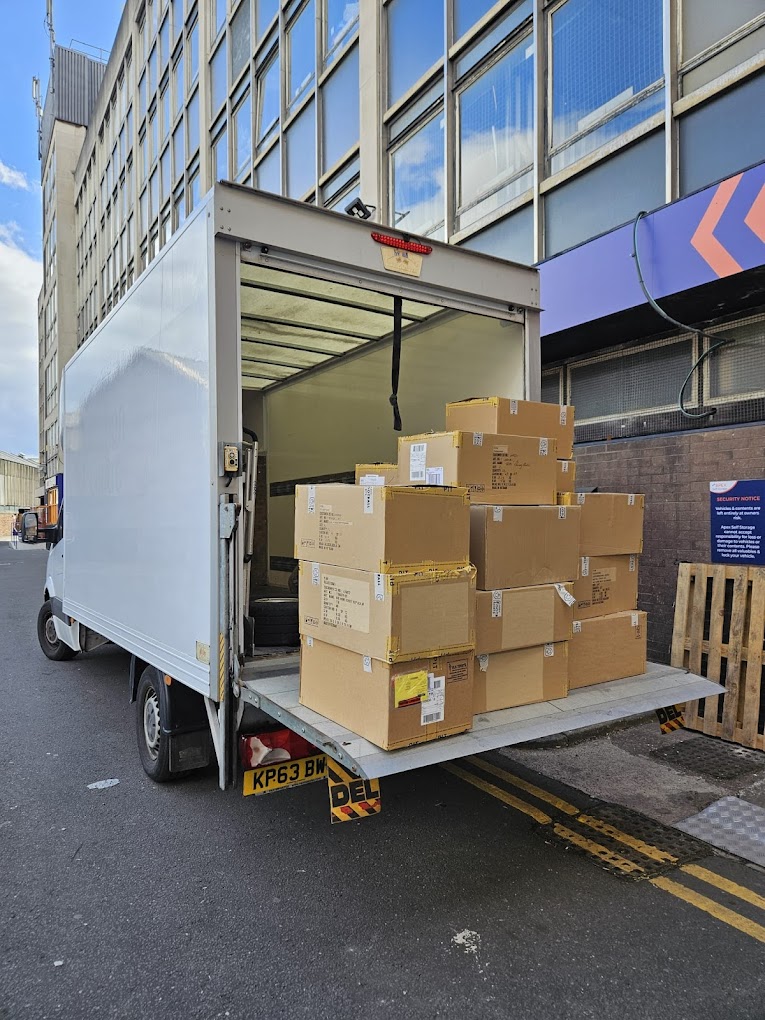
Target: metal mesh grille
column 739, row 369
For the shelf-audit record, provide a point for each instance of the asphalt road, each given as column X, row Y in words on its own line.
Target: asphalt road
column 182, row 901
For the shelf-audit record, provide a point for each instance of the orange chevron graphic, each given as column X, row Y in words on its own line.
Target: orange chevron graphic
column 755, row 218
column 718, row 258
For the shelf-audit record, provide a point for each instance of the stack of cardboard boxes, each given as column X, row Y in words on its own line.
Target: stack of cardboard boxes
column 397, row 643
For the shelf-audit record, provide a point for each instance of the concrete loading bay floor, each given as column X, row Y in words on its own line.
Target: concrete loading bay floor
column 482, row 893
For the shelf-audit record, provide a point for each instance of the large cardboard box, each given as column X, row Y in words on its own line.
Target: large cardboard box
column 392, row 617
column 522, row 617
column 606, row 584
column 521, row 677
column 382, row 528
column 515, row 418
column 516, row 546
column 507, row 470
column 391, row 705
column 612, row 522
column 380, row 474
column 566, row 477
column 607, row 648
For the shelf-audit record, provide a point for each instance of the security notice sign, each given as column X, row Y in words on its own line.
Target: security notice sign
column 737, row 518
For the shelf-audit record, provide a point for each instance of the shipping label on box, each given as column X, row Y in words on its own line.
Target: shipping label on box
column 566, row 476
column 606, row 584
column 503, row 416
column 382, row 529
column 523, row 617
column 392, row 705
column 507, row 470
column 391, row 617
column 612, row 522
column 607, row 648
column 514, row 546
column 523, row 676
column 376, row 474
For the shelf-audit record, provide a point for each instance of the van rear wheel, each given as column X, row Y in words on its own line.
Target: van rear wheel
column 153, row 742
column 50, row 643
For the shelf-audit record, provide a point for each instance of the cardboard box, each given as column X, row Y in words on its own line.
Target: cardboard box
column 391, row 705
column 507, row 470
column 515, row 418
column 379, row 474
column 392, row 617
column 566, row 477
column 607, row 648
column 522, row 617
column 382, row 528
column 521, row 677
column 606, row 584
column 612, row 522
column 513, row 547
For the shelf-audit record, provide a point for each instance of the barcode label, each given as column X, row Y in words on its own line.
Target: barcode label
column 543, row 447
column 311, row 499
column 562, row 513
column 513, row 407
column 633, row 563
column 369, row 505
column 580, row 499
column 367, row 663
column 432, row 707
column 309, row 642
column 496, row 604
column 478, row 439
column 315, row 573
column 563, row 414
column 565, row 594
column 630, row 500
column 434, row 476
column 564, row 466
column 585, row 566
column 379, row 588
column 635, row 619
column 577, row 627
column 497, row 513
column 483, row 663
column 433, row 717
column 549, row 650
column 417, row 456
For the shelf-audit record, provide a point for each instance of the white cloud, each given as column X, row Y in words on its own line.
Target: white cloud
column 20, row 279
column 13, row 178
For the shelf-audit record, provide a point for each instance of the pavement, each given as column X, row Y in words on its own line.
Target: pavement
column 521, row 884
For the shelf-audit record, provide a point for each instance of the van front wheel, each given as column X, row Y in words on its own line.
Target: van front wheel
column 50, row 643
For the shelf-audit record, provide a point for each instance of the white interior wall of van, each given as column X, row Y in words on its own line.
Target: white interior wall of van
column 328, row 420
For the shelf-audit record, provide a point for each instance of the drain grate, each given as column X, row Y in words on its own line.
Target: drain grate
column 708, row 756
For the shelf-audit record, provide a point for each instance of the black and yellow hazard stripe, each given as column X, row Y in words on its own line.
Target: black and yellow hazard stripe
column 670, row 718
column 349, row 796
column 572, row 832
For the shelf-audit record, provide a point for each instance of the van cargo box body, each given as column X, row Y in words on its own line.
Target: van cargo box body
column 515, row 418
column 502, row 469
column 517, row 546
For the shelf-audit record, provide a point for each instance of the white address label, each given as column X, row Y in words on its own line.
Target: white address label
column 543, row 447
column 432, row 707
column 379, row 588
column 577, row 627
column 483, row 663
column 497, row 513
column 580, row 499
column 369, row 499
column 562, row 513
column 563, row 414
column 418, row 453
column 311, row 499
column 496, row 604
column 478, row 439
column 549, row 650
column 633, row 563
column 565, row 594
column 585, row 566
column 315, row 573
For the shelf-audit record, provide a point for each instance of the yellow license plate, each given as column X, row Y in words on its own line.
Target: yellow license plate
column 268, row 778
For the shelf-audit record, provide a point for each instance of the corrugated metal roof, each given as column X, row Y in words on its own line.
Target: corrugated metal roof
column 19, row 460
column 76, row 80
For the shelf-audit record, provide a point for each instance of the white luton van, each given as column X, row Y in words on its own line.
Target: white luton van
column 268, row 334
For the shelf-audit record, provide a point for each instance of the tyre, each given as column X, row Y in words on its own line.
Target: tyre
column 49, row 641
column 275, row 621
column 153, row 743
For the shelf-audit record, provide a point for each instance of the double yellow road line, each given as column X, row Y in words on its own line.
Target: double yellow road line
column 603, row 853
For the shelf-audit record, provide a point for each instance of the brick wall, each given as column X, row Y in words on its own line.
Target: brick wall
column 6, row 522
column 674, row 472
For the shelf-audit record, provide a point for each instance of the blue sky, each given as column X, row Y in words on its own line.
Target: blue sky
column 24, row 52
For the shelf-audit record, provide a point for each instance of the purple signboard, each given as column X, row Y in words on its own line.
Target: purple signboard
column 737, row 522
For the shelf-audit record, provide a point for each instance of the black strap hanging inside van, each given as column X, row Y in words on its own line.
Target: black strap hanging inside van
column 396, row 363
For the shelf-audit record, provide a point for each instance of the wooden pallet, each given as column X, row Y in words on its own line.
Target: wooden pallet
column 719, row 633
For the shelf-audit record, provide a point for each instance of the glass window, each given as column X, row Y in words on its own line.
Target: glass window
column 129, row 130
column 154, row 14
column 165, row 174
column 179, row 86
column 179, row 152
column 164, row 236
column 551, row 393
column 152, row 72
column 415, row 42
column 265, row 12
column 176, row 14
column 194, row 190
column 342, row 19
column 142, row 97
column 164, row 44
column 179, row 209
column 610, row 193
column 194, row 53
column 268, row 174
column 603, row 57
column 123, row 149
column 467, row 13
column 417, row 170
column 509, row 238
column 496, row 135
column 240, row 39
column 164, row 103
column 154, row 195
column 192, row 124
column 739, row 368
column 153, row 138
column 268, row 100
column 751, row 45
column 342, row 201
column 242, row 135
column 218, row 78
column 705, row 22
column 301, row 53
column 218, row 16
column 220, row 156
column 340, row 96
column 301, row 152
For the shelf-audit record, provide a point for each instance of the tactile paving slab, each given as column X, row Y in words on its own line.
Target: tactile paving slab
column 731, row 824
column 708, row 756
